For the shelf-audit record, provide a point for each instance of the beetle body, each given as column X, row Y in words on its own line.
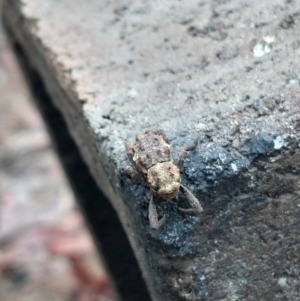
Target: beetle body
column 152, row 162
column 151, row 156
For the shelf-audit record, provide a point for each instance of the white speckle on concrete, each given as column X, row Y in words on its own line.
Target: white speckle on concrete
column 278, row 142
column 292, row 83
column 222, row 157
column 200, row 126
column 132, row 93
column 282, row 281
column 267, row 49
column 269, row 39
column 260, row 50
column 234, row 167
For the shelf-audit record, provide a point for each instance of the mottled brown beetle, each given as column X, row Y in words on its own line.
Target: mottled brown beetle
column 152, row 165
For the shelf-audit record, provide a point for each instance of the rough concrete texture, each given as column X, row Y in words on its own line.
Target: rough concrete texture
column 222, row 79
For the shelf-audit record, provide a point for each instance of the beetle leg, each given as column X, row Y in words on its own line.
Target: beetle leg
column 194, row 202
column 153, row 216
column 181, row 159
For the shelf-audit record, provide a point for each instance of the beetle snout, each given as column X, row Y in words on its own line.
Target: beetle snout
column 169, row 191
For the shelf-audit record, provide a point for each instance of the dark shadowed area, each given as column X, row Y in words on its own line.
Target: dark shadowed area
column 46, row 252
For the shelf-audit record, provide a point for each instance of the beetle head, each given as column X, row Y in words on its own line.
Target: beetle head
column 164, row 180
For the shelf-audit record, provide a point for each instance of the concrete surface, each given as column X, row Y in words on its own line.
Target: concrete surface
column 221, row 78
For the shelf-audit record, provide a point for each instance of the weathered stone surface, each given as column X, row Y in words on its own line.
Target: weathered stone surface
column 221, row 78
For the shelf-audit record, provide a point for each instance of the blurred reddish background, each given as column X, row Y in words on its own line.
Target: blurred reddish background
column 46, row 252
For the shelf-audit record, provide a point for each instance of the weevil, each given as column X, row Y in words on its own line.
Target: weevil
column 152, row 164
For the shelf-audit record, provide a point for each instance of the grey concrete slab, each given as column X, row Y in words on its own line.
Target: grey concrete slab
column 222, row 79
